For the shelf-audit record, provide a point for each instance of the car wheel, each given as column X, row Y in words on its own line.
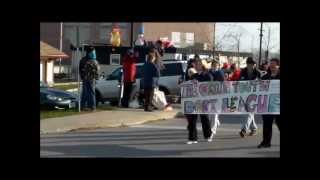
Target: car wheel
column 98, row 98
column 114, row 103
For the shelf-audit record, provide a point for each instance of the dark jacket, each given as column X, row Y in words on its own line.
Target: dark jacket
column 217, row 75
column 149, row 72
column 244, row 75
column 269, row 77
column 82, row 67
column 203, row 76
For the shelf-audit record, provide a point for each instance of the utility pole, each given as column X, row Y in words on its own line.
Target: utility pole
column 61, row 35
column 267, row 52
column 239, row 52
column 260, row 44
column 131, row 39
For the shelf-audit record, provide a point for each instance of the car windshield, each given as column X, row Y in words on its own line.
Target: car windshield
column 43, row 85
column 116, row 74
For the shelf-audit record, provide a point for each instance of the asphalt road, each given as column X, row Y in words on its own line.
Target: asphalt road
column 159, row 139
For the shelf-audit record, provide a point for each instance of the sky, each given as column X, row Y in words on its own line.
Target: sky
column 250, row 36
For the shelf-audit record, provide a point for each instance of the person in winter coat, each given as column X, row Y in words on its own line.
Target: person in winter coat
column 201, row 75
column 249, row 73
column 217, row 75
column 274, row 73
column 149, row 79
column 88, row 69
column 129, row 76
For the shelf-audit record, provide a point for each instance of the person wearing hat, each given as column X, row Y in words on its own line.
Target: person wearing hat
column 129, row 76
column 88, row 69
column 202, row 74
column 249, row 73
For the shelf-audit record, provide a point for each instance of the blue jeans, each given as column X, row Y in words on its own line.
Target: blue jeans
column 88, row 96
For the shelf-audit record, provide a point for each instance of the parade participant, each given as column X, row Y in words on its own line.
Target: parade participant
column 226, row 76
column 190, row 69
column 234, row 73
column 249, row 73
column 274, row 73
column 225, row 67
column 201, row 75
column 218, row 75
column 129, row 74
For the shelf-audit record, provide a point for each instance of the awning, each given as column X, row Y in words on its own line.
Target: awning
column 49, row 52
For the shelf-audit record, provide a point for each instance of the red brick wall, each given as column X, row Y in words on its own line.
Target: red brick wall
column 203, row 32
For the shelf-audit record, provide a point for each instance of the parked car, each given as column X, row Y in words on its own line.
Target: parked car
column 108, row 89
column 55, row 98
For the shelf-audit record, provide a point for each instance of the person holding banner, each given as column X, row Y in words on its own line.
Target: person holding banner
column 201, row 75
column 249, row 73
column 273, row 73
column 217, row 75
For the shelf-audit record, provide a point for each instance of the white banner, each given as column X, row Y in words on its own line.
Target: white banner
column 231, row 97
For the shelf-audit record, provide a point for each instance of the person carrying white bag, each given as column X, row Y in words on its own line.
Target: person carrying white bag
column 159, row 98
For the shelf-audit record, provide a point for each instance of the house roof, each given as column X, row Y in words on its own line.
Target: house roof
column 49, row 52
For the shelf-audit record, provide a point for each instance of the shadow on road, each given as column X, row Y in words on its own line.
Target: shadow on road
column 123, row 151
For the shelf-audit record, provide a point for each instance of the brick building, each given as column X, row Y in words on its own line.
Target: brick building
column 197, row 35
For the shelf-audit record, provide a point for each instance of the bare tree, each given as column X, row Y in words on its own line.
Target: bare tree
column 268, row 41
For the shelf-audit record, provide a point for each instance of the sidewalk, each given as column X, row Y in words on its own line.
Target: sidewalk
column 104, row 119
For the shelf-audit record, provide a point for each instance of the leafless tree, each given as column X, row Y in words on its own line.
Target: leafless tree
column 268, row 41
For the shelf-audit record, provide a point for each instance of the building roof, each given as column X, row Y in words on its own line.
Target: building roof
column 233, row 53
column 49, row 52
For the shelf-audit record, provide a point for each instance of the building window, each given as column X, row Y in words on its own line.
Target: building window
column 105, row 33
column 77, row 37
column 175, row 37
column 84, row 33
column 115, row 59
column 69, row 33
column 124, row 37
column 190, row 38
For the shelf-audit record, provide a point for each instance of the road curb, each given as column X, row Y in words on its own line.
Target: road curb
column 97, row 126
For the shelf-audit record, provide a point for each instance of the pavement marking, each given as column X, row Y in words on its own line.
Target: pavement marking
column 179, row 127
column 50, row 153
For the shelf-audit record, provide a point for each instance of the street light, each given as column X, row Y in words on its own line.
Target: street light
column 260, row 44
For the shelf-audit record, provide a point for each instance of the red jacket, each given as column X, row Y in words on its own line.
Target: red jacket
column 129, row 69
column 235, row 76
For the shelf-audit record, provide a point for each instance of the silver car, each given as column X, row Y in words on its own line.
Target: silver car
column 108, row 89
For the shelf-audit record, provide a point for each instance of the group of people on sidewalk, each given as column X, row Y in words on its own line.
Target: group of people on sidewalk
column 89, row 67
column 150, row 81
column 199, row 70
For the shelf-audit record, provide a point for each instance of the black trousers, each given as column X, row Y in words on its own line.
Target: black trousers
column 148, row 94
column 267, row 127
column 127, row 89
column 192, row 126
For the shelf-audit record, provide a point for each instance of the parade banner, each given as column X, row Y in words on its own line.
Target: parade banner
column 231, row 97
